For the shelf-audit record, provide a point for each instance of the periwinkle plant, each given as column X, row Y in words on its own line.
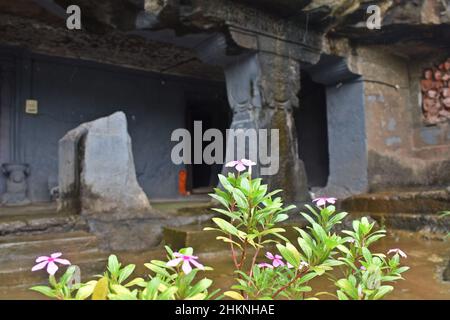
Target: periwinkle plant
column 250, row 225
column 253, row 221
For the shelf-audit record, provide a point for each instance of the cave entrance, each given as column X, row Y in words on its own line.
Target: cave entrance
column 312, row 131
column 213, row 114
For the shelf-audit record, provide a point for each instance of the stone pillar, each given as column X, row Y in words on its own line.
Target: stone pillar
column 262, row 92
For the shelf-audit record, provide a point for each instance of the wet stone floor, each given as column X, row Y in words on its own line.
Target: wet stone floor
column 427, row 259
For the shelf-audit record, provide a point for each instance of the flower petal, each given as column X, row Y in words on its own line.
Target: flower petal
column 232, row 164
column 186, row 267
column 39, row 266
column 198, row 265
column 321, row 202
column 240, row 167
column 332, row 200
column 248, row 163
column 52, row 268
column 270, row 256
column 43, row 258
column 56, row 255
column 63, row 261
column 278, row 263
column 174, row 262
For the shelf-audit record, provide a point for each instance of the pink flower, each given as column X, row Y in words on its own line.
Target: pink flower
column 398, row 251
column 276, row 260
column 240, row 165
column 187, row 261
column 322, row 201
column 50, row 262
column 265, row 265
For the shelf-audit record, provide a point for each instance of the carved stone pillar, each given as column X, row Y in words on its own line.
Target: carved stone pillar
column 262, row 92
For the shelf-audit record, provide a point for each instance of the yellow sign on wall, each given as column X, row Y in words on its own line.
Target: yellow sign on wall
column 31, row 106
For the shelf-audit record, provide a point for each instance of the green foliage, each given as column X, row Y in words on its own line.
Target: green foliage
column 365, row 273
column 249, row 223
column 251, row 217
column 62, row 289
column 164, row 283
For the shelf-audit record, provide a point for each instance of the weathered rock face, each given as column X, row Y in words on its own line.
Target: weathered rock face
column 108, row 175
column 97, row 173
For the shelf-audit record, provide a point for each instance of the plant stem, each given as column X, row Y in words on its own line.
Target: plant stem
column 298, row 276
column 254, row 261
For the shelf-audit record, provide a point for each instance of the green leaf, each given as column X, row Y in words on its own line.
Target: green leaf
column 101, row 289
column 137, row 282
column 307, row 277
column 290, row 253
column 200, row 287
column 280, row 218
column 341, row 295
column 367, row 255
column 240, row 198
column 305, row 247
column 382, row 291
column 225, row 183
column 229, row 214
column 320, row 232
column 348, row 288
column 245, row 185
column 220, row 199
column 86, row 290
column 47, row 291
column 228, row 240
column 233, row 295
column 157, row 269
column 113, row 264
column 308, row 218
column 126, row 272
column 67, row 276
column 226, row 226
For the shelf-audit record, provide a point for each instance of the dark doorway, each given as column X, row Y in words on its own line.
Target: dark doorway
column 214, row 114
column 312, row 131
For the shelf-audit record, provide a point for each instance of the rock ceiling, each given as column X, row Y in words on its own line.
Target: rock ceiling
column 170, row 29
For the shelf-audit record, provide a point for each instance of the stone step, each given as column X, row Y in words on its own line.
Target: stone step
column 29, row 247
column 205, row 241
column 431, row 224
column 37, row 218
column 415, row 202
column 39, row 223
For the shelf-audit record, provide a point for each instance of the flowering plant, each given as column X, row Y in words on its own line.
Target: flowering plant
column 173, row 280
column 253, row 218
column 250, row 225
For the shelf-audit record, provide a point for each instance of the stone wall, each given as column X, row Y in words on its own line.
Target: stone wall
column 404, row 151
column 70, row 92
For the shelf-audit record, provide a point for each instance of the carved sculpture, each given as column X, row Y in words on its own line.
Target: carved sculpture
column 436, row 93
column 16, row 184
